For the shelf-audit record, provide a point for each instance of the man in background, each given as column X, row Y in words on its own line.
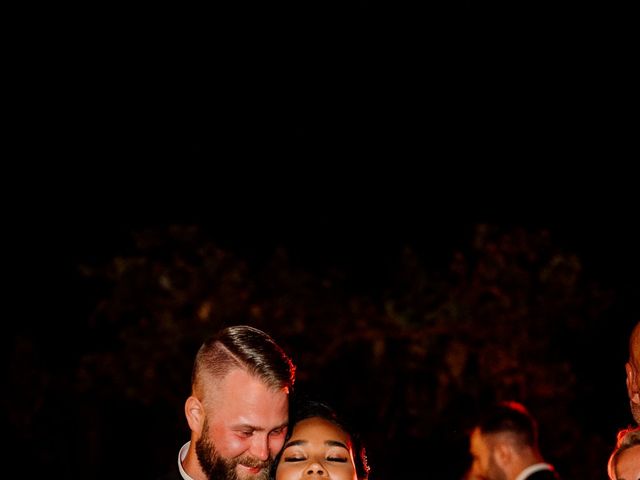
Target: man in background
column 504, row 446
column 633, row 373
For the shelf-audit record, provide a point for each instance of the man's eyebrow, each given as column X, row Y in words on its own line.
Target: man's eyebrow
column 248, row 426
column 245, row 426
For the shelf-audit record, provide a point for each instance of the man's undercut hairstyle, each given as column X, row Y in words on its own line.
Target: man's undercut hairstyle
column 512, row 418
column 245, row 348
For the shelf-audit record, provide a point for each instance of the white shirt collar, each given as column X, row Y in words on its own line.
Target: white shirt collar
column 181, row 456
column 531, row 469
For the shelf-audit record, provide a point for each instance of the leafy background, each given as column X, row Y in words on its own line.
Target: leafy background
column 409, row 334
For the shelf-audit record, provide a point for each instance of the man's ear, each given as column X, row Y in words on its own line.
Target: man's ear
column 503, row 455
column 632, row 384
column 194, row 411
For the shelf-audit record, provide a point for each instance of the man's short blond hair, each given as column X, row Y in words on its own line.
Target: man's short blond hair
column 245, row 348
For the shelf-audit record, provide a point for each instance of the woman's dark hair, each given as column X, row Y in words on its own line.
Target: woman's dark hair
column 303, row 408
column 627, row 438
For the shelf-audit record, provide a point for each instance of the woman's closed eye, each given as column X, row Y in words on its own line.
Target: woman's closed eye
column 294, row 458
column 337, row 459
column 301, row 458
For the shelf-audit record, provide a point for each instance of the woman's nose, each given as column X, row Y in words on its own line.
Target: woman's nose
column 316, row 468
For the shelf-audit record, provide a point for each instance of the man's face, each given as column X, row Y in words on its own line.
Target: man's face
column 244, row 428
column 633, row 400
column 633, row 373
column 484, row 466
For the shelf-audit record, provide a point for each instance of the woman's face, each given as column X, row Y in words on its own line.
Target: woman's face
column 317, row 449
column 628, row 465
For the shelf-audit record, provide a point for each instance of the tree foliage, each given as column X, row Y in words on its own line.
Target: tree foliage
column 411, row 365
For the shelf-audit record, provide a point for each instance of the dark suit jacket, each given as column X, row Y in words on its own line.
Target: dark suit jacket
column 172, row 475
column 544, row 475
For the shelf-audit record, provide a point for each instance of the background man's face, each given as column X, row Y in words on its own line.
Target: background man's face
column 484, row 466
column 633, row 373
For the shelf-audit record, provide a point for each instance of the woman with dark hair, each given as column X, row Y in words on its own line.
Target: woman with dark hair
column 320, row 445
column 624, row 463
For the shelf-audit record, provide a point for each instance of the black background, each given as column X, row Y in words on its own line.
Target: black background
column 338, row 130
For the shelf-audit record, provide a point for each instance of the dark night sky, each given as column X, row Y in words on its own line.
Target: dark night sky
column 337, row 80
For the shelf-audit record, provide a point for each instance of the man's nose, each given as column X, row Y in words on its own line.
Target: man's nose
column 315, row 468
column 260, row 447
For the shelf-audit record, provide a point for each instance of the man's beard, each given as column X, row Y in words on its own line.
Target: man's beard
column 635, row 411
column 216, row 467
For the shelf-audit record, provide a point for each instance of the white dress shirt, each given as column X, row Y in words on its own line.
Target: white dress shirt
column 181, row 456
column 531, row 469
